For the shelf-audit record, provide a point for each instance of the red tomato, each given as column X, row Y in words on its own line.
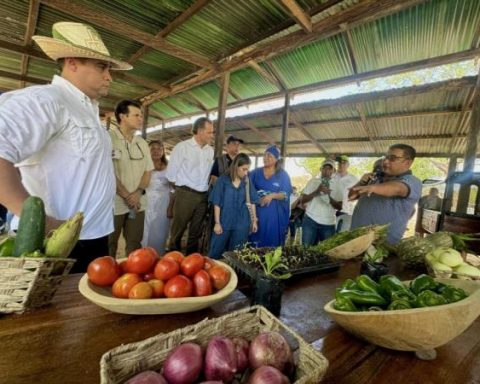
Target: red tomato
column 202, row 286
column 192, row 264
column 103, row 271
column 158, row 287
column 123, row 267
column 153, row 251
column 141, row 260
column 122, row 286
column 220, row 276
column 209, row 263
column 166, row 269
column 178, row 286
column 149, row 276
column 141, row 290
column 175, row 255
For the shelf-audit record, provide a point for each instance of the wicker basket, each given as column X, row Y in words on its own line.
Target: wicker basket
column 123, row 362
column 27, row 282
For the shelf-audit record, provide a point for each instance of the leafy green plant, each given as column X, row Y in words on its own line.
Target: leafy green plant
column 272, row 264
column 375, row 254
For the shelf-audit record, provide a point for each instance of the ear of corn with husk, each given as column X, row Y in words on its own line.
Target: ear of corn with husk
column 62, row 241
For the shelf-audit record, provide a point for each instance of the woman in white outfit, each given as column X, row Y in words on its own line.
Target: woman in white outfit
column 158, row 211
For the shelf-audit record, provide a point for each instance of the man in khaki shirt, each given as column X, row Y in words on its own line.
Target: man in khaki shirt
column 133, row 166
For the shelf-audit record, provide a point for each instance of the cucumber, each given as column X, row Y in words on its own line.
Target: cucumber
column 31, row 228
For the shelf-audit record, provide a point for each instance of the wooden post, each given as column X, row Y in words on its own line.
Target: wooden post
column 447, row 197
column 471, row 151
column 285, row 122
column 222, row 107
column 145, row 121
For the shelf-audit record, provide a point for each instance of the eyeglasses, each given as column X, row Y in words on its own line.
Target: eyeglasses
column 137, row 153
column 394, row 158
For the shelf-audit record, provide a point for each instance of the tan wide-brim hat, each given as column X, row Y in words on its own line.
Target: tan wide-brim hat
column 77, row 40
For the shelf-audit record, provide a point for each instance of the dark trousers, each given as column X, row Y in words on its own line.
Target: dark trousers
column 87, row 250
column 189, row 210
column 312, row 232
column 132, row 232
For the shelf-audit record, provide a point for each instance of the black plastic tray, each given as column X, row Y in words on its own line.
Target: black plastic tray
column 253, row 273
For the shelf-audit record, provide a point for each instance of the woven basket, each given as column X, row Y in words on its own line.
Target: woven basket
column 123, row 362
column 27, row 282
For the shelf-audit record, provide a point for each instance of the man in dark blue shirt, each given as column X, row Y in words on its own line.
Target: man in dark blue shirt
column 222, row 163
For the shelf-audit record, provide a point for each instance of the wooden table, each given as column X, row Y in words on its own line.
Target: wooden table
column 63, row 343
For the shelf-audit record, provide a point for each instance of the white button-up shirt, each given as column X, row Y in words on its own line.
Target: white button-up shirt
column 190, row 165
column 54, row 135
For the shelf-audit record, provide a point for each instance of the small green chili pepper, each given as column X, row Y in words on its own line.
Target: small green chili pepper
column 365, row 283
column 349, row 284
column 405, row 295
column 344, row 304
column 399, row 304
column 423, row 283
column 6, row 246
column 430, row 299
column 362, row 297
column 391, row 284
column 452, row 294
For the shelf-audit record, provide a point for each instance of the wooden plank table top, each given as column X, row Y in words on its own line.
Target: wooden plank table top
column 63, row 342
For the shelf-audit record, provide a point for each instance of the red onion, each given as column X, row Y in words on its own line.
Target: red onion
column 147, row 377
column 271, row 348
column 268, row 375
column 184, row 364
column 220, row 359
column 241, row 348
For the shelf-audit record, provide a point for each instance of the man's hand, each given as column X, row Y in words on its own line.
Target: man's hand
column 51, row 224
column 363, row 190
column 133, row 199
column 323, row 189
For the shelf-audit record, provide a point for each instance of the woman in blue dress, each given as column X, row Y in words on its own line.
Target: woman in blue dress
column 233, row 219
column 274, row 189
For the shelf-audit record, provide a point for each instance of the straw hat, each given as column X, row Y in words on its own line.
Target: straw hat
column 77, row 40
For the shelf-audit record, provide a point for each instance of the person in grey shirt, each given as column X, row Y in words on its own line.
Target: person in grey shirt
column 390, row 199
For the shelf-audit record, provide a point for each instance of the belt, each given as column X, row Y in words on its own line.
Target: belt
column 185, row 188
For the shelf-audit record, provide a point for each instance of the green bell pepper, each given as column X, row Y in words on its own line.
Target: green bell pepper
column 349, row 284
column 422, row 283
column 405, row 295
column 344, row 304
column 430, row 299
column 367, row 284
column 6, row 246
column 399, row 304
column 362, row 297
column 391, row 284
column 452, row 294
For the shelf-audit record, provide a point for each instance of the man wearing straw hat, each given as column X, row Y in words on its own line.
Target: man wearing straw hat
column 53, row 135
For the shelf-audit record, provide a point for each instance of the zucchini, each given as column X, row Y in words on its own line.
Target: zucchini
column 31, row 228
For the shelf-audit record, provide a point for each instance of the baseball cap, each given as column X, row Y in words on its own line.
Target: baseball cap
column 234, row 138
column 328, row 162
column 341, row 158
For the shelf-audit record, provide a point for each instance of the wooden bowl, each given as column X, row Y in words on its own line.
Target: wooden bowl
column 352, row 248
column 418, row 329
column 102, row 296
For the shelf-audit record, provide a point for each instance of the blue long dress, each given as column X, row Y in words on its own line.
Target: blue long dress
column 272, row 219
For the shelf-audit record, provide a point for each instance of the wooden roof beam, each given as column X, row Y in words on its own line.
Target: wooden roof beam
column 169, row 28
column 170, row 105
column 266, row 75
column 358, row 14
column 92, row 16
column 298, row 14
column 33, row 9
column 310, row 136
column 363, row 121
column 267, row 138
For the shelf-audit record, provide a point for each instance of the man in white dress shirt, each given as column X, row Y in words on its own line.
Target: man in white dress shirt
column 346, row 181
column 188, row 171
column 53, row 135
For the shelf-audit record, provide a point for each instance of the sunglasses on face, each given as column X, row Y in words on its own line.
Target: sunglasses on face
column 136, row 153
column 394, row 158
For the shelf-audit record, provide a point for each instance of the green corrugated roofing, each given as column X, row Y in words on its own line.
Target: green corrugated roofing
column 164, row 110
column 209, row 94
column 248, row 83
column 181, row 105
column 10, row 61
column 434, row 28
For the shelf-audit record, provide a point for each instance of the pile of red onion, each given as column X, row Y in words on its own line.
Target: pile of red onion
column 268, row 357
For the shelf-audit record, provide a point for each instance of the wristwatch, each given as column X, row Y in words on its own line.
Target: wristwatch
column 141, row 190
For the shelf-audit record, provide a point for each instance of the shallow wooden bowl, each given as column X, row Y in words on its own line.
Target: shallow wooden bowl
column 102, row 296
column 418, row 329
column 352, row 248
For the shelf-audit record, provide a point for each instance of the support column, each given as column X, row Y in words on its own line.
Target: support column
column 145, row 121
column 471, row 150
column 447, row 198
column 222, row 107
column 285, row 122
